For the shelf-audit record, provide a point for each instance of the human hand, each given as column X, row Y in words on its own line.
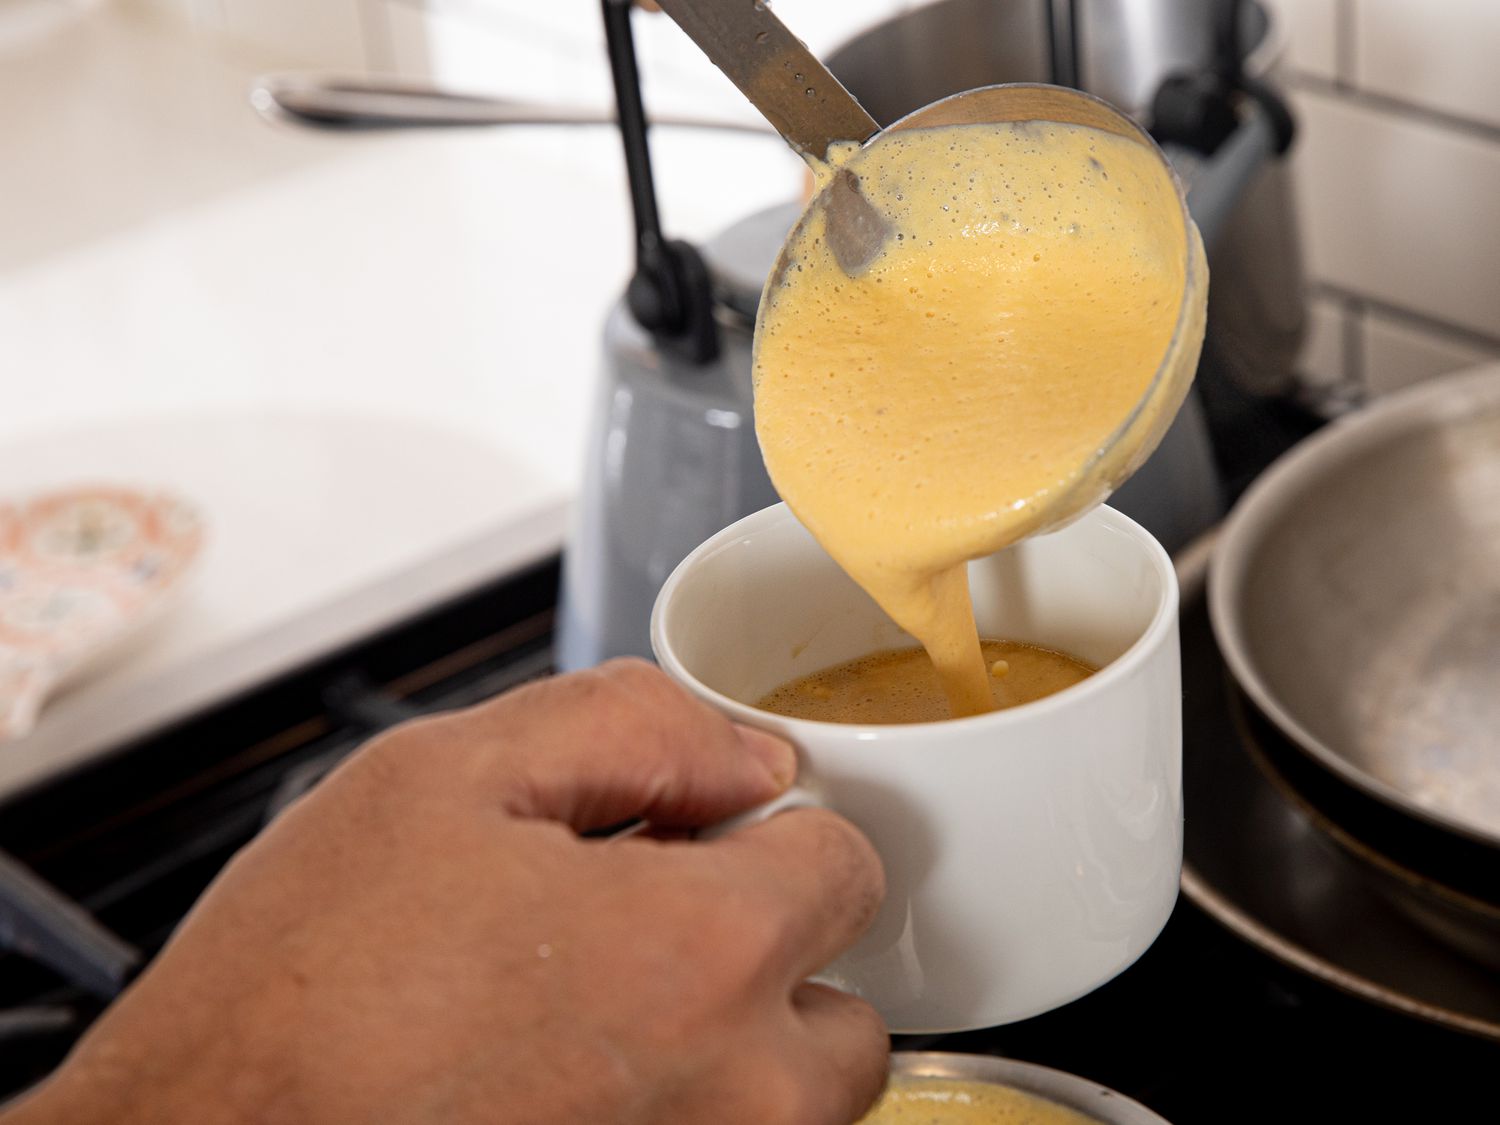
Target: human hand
column 426, row 937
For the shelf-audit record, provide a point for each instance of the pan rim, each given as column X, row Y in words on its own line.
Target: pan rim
column 1265, row 502
column 1219, row 902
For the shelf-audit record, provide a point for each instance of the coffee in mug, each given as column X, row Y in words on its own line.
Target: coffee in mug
column 901, row 686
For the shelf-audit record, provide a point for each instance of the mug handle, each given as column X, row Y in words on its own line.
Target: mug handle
column 797, row 797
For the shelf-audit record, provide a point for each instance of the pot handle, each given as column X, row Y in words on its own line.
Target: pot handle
column 1216, row 183
column 348, row 103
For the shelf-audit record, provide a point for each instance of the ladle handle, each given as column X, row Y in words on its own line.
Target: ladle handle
column 774, row 69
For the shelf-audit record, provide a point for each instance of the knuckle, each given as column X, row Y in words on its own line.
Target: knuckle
column 735, row 944
column 636, row 678
column 557, row 702
column 870, row 1036
column 749, row 930
column 627, row 689
column 647, row 686
column 584, row 688
column 737, row 933
column 399, row 753
column 847, row 856
column 387, row 778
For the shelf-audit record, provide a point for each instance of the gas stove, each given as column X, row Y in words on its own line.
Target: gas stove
column 1204, row 1028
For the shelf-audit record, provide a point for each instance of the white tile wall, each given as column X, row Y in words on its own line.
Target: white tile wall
column 1398, row 210
column 556, row 49
column 1398, row 181
column 197, row 11
column 327, row 33
column 1439, row 54
column 1399, row 352
column 408, row 35
column 314, row 33
column 1325, row 356
column 546, row 51
column 1311, row 29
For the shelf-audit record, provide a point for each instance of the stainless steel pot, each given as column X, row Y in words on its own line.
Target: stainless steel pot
column 1097, row 1102
column 1264, row 868
column 1126, row 50
column 1464, row 921
column 1355, row 594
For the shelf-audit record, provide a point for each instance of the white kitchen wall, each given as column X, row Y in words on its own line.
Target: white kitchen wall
column 1398, row 183
column 548, row 49
column 319, row 33
column 554, row 49
column 1397, row 167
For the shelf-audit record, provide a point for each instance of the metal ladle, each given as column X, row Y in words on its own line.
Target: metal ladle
column 814, row 113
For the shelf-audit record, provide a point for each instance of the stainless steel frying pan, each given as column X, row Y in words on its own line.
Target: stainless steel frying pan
column 1356, row 596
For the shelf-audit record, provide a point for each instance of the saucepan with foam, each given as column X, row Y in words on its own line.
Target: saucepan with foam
column 948, row 1086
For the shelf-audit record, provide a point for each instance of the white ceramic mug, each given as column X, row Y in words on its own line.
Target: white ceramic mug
column 1030, row 854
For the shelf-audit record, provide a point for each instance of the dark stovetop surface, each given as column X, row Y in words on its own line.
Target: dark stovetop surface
column 1204, row 1028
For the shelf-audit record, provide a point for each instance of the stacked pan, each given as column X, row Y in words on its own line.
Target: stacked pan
column 1355, row 596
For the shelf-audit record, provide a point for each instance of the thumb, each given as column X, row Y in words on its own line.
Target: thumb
column 617, row 742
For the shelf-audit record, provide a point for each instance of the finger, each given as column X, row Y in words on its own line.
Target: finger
column 845, row 1044
column 620, row 741
column 820, row 882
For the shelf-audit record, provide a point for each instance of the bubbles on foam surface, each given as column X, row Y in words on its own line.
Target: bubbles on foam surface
column 927, row 405
column 900, row 685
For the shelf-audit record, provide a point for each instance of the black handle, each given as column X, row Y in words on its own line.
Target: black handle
column 1197, row 110
column 620, row 42
column 671, row 295
column 44, row 925
column 1062, row 43
column 1228, row 59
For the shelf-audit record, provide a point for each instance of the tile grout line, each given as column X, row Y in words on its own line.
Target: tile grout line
column 1408, row 112
column 1354, row 344
column 1345, row 60
column 376, row 39
column 1352, row 300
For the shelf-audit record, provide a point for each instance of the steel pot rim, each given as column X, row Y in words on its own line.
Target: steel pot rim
column 1277, row 491
column 1071, row 1091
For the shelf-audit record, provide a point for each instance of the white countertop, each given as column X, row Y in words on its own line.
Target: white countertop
column 369, row 358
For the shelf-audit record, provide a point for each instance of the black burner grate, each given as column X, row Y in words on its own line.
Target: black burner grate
column 135, row 839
